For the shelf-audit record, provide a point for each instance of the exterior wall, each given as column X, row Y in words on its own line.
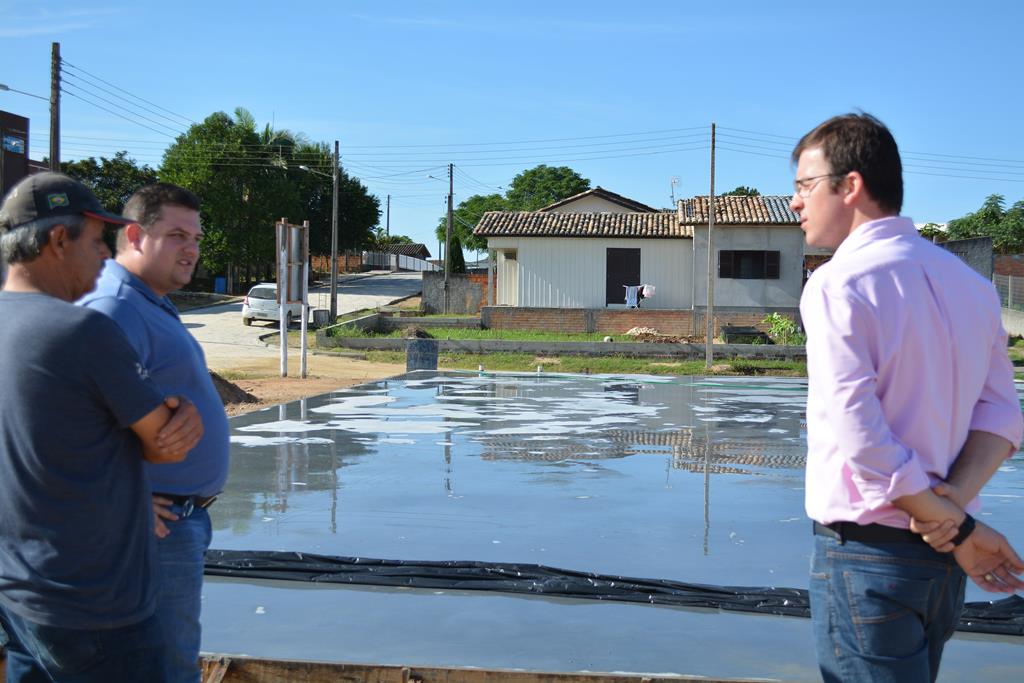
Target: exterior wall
column 592, row 204
column 570, row 272
column 466, row 293
column 1010, row 264
column 975, row 252
column 771, row 294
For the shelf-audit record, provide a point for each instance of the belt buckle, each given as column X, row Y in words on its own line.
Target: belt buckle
column 187, row 507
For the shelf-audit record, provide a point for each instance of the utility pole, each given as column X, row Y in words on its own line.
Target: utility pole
column 334, row 239
column 448, row 235
column 55, row 107
column 710, row 312
column 387, row 224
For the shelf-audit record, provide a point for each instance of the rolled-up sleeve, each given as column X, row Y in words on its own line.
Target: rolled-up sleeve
column 998, row 408
column 842, row 356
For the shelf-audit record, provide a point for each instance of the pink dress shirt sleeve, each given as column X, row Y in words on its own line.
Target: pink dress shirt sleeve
column 997, row 410
column 843, row 355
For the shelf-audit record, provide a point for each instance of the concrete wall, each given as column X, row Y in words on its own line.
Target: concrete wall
column 1013, row 321
column 975, row 252
column 553, row 272
column 771, row 294
column 466, row 293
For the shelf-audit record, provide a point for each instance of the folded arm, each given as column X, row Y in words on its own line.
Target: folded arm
column 169, row 431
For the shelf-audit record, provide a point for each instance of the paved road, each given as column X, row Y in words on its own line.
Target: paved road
column 220, row 331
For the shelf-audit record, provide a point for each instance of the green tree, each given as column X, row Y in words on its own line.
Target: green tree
column 458, row 259
column 933, row 233
column 112, row 180
column 1005, row 227
column 541, row 185
column 467, row 215
column 742, row 191
column 249, row 179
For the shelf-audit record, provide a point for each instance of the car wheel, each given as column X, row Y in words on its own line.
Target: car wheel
column 247, row 322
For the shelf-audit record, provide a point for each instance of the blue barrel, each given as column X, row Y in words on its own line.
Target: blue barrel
column 220, row 285
column 421, row 354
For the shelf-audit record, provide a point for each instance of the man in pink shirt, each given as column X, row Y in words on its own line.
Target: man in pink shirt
column 911, row 407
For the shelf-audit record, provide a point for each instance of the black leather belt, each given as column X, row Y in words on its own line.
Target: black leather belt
column 866, row 533
column 188, row 503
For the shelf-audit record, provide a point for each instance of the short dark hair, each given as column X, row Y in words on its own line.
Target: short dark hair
column 860, row 142
column 145, row 206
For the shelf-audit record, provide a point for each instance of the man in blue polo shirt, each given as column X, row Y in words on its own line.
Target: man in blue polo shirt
column 157, row 253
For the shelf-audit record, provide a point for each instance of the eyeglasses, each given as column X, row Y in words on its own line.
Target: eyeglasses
column 805, row 186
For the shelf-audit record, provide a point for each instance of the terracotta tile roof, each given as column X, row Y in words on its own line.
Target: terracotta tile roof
column 607, row 195
column 770, row 210
column 553, row 224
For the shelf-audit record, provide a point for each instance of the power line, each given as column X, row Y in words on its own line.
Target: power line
column 98, row 106
column 77, row 68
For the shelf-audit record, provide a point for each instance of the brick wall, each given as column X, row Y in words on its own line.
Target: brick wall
column 1010, row 264
column 347, row 263
column 683, row 323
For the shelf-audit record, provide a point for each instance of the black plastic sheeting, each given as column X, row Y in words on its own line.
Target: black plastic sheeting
column 1003, row 617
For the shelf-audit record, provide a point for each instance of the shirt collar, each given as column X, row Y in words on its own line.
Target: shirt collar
column 122, row 274
column 881, row 228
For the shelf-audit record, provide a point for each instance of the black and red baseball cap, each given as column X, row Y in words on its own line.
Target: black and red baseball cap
column 45, row 195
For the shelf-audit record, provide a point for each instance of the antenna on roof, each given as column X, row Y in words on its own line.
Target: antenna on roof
column 673, row 181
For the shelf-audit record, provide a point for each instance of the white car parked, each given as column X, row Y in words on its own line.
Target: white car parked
column 261, row 304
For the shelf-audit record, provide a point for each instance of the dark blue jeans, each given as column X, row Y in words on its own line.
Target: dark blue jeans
column 180, row 558
column 882, row 611
column 49, row 654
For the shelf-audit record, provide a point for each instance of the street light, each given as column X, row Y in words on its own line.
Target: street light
column 6, row 88
column 334, row 231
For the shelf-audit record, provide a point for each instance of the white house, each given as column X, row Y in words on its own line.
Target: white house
column 582, row 251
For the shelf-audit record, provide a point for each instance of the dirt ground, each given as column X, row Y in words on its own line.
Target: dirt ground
column 261, row 378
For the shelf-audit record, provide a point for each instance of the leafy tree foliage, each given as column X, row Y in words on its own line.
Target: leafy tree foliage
column 114, row 180
column 1004, row 226
column 742, row 191
column 532, row 189
column 933, row 233
column 248, row 179
column 541, row 185
column 466, row 216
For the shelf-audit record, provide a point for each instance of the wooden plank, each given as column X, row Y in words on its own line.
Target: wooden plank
column 256, row 670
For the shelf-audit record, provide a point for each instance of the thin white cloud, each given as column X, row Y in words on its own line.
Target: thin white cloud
column 48, row 22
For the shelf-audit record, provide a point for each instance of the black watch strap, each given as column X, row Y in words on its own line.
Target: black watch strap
column 966, row 528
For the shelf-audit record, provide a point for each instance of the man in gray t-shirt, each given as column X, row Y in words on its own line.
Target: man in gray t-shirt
column 78, row 415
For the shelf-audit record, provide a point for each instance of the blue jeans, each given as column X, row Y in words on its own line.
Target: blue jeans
column 180, row 578
column 48, row 654
column 882, row 611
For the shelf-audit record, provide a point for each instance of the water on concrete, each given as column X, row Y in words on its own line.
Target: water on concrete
column 692, row 479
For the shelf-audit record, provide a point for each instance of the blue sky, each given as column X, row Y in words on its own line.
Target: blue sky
column 623, row 93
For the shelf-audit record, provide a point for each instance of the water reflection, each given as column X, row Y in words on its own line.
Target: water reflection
column 683, row 478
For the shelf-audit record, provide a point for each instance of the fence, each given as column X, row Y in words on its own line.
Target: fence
column 396, row 262
column 1011, row 291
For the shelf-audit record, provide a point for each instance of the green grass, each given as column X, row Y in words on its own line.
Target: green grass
column 527, row 362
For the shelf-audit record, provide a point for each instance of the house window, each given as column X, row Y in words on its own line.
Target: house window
column 511, row 255
column 748, row 265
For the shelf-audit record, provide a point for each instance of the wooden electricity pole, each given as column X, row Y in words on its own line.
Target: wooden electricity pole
column 709, row 322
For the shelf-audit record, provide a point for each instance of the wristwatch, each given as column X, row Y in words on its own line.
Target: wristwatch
column 966, row 528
